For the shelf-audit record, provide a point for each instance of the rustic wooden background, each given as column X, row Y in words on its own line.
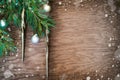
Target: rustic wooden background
column 80, row 44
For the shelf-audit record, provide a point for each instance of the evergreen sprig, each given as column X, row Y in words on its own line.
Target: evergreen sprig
column 6, row 43
column 35, row 16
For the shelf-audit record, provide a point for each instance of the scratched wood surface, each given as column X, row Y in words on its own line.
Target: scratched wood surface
column 80, row 44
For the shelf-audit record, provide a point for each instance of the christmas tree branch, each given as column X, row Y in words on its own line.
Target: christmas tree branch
column 6, row 43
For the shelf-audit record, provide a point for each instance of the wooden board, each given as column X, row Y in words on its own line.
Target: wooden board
column 80, row 45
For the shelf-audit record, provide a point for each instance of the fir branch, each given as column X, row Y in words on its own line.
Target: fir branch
column 6, row 43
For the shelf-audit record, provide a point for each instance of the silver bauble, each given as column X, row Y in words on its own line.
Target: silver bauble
column 35, row 39
column 46, row 7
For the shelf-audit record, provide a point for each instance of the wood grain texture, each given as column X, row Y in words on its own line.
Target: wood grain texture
column 80, row 42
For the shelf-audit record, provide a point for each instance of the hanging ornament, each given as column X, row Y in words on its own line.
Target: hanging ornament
column 47, row 8
column 3, row 24
column 35, row 39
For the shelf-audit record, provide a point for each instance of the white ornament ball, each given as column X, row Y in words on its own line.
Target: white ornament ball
column 47, row 8
column 35, row 39
column 2, row 23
